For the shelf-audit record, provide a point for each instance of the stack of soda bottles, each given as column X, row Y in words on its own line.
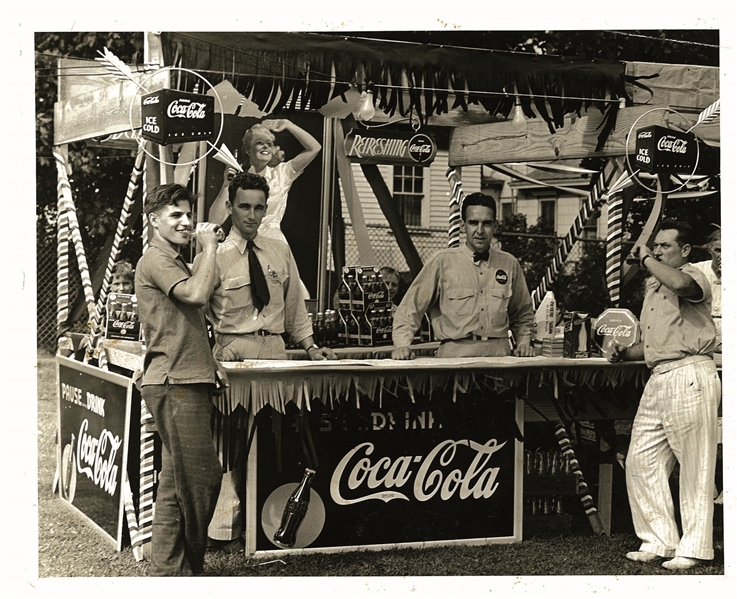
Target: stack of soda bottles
column 364, row 310
column 326, row 328
column 549, row 478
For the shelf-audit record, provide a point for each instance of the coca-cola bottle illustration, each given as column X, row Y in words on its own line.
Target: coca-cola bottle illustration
column 294, row 511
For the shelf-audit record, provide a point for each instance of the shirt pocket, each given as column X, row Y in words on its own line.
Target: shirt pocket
column 236, row 293
column 460, row 301
column 275, row 277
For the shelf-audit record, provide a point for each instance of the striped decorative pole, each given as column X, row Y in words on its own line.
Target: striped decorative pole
column 144, row 217
column 454, row 206
column 583, row 489
column 614, row 247
column 590, row 204
column 130, row 516
column 68, row 211
column 62, row 268
column 117, row 239
column 146, row 478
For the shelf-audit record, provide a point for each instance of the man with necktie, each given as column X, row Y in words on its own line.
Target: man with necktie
column 473, row 294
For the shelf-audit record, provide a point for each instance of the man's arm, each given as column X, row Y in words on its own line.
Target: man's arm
column 617, row 352
column 679, row 282
column 521, row 316
column 422, row 293
column 197, row 289
column 218, row 212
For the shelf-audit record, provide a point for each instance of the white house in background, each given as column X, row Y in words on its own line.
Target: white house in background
column 423, row 194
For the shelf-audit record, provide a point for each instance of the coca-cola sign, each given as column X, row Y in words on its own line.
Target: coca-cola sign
column 385, row 466
column 661, row 150
column 389, row 147
column 169, row 116
column 616, row 325
column 94, row 436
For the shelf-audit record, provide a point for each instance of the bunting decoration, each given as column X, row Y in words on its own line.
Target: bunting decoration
column 707, row 115
column 454, row 208
column 130, row 517
column 147, row 478
column 62, row 270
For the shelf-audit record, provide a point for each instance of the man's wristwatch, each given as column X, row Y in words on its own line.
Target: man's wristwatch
column 642, row 260
column 313, row 346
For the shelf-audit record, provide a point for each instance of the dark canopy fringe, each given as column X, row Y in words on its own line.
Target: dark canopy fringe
column 267, row 62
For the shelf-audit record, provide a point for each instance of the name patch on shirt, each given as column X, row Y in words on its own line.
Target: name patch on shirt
column 501, row 277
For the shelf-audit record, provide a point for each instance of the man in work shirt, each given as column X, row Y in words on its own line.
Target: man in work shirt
column 178, row 379
column 474, row 295
column 677, row 417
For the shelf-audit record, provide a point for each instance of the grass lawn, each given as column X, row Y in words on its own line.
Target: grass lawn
column 70, row 547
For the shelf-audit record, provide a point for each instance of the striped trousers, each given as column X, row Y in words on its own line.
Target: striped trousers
column 676, row 422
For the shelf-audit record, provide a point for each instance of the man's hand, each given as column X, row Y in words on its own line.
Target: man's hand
column 228, row 175
column 207, row 235
column 638, row 252
column 616, row 352
column 321, row 353
column 523, row 350
column 403, row 353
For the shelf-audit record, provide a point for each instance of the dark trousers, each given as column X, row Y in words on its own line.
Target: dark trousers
column 190, row 477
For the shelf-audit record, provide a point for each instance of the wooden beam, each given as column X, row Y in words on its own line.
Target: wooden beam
column 507, row 142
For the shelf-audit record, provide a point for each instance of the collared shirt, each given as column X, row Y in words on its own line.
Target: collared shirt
column 280, row 179
column 674, row 327
column 716, row 296
column 231, row 308
column 177, row 348
column 464, row 298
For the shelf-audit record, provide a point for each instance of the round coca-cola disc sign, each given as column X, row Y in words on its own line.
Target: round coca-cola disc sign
column 421, row 148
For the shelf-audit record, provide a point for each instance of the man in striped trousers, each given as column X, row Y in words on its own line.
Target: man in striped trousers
column 677, row 417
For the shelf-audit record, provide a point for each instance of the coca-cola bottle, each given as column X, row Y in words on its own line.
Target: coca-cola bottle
column 294, row 512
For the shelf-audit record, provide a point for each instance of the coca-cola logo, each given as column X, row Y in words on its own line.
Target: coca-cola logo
column 675, row 145
column 421, row 148
column 151, row 100
column 186, row 109
column 96, row 457
column 622, row 330
column 645, row 134
column 124, row 324
column 451, row 469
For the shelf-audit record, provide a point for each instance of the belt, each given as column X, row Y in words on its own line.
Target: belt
column 261, row 333
column 668, row 366
column 471, row 337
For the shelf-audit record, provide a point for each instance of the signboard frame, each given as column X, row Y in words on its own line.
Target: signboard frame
column 256, row 507
column 72, row 406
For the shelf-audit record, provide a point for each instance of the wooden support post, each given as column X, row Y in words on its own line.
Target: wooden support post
column 606, row 478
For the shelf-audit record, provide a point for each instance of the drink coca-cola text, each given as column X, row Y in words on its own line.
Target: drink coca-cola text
column 621, row 330
column 672, row 144
column 96, row 457
column 184, row 109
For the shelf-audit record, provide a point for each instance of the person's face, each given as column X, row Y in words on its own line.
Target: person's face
column 261, row 150
column 173, row 223
column 392, row 284
column 121, row 284
column 247, row 210
column 715, row 249
column 479, row 226
column 667, row 250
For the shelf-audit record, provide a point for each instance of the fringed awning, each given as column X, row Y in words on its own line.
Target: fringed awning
column 295, row 71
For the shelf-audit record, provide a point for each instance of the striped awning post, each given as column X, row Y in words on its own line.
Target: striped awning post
column 454, row 207
column 68, row 211
column 614, row 247
column 144, row 216
column 583, row 489
column 130, row 517
column 590, row 204
column 96, row 327
column 62, row 269
column 147, row 478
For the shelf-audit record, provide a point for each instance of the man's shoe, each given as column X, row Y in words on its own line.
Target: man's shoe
column 641, row 556
column 681, row 563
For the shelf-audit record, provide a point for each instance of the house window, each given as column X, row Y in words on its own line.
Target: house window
column 547, row 215
column 408, row 193
column 507, row 210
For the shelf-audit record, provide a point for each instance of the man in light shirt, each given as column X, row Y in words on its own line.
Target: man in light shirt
column 473, row 294
column 713, row 271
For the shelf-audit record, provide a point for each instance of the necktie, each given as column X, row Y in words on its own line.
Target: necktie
column 479, row 256
column 259, row 287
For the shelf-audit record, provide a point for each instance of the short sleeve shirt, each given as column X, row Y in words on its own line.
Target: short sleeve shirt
column 177, row 347
column 280, row 179
column 674, row 327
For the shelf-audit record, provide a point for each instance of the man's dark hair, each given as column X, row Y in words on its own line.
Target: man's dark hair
column 685, row 232
column 477, row 199
column 169, row 194
column 247, row 181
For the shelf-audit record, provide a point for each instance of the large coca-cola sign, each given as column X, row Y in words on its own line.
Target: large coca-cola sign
column 169, row 116
column 616, row 325
column 661, row 150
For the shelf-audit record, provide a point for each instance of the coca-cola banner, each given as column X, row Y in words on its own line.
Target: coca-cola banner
column 94, row 419
column 389, row 147
column 395, row 472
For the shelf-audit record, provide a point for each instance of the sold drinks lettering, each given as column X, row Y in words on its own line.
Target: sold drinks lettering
column 621, row 330
column 444, row 472
column 94, row 403
column 184, row 109
column 378, row 146
column 96, row 457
